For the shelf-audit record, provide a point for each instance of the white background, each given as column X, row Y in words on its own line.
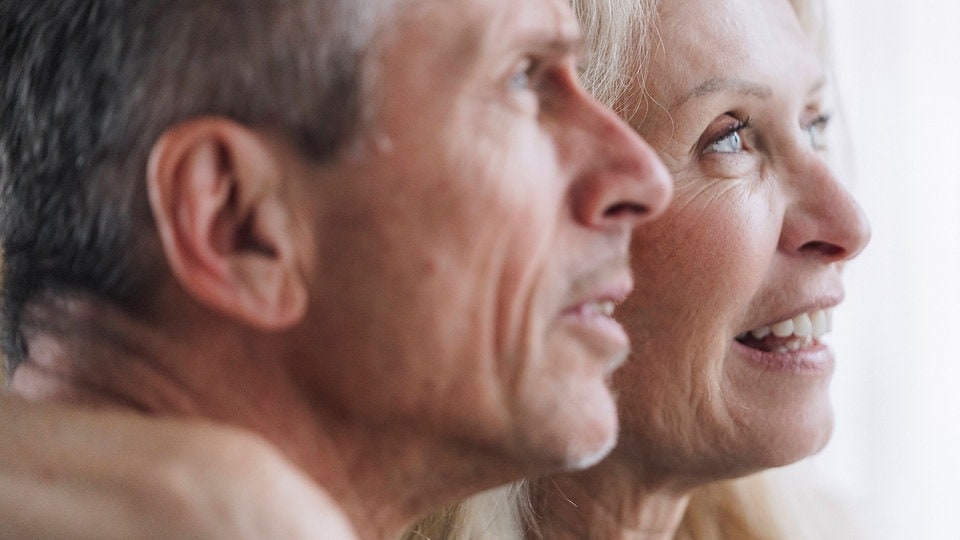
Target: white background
column 895, row 455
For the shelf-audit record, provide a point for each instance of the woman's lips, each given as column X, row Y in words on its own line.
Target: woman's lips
column 813, row 358
column 791, row 345
column 790, row 335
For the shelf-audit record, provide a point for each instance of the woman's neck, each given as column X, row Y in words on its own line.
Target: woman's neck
column 607, row 502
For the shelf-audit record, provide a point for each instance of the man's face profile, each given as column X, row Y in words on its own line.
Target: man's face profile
column 471, row 258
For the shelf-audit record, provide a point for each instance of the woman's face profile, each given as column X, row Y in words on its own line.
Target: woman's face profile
column 736, row 283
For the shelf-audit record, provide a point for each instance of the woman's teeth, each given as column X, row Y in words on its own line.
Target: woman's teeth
column 816, row 324
column 790, row 335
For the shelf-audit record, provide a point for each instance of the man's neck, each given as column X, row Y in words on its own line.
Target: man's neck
column 383, row 476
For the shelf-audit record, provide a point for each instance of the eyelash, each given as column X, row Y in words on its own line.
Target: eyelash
column 733, row 129
column 820, row 121
column 816, row 128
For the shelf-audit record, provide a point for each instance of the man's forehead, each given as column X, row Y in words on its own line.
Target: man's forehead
column 483, row 23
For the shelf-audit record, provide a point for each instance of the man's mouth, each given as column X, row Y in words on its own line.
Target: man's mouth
column 596, row 312
column 790, row 335
column 603, row 308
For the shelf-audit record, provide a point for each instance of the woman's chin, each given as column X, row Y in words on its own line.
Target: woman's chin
column 790, row 442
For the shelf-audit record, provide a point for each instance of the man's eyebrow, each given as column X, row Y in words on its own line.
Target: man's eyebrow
column 723, row 84
column 557, row 44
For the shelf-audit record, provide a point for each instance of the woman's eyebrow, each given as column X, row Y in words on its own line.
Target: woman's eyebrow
column 738, row 86
column 725, row 84
column 817, row 86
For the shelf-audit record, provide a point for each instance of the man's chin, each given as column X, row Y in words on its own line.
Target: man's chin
column 580, row 437
column 587, row 460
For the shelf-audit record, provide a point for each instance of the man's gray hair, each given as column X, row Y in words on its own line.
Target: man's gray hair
column 87, row 87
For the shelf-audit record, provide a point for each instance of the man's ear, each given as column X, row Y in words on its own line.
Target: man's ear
column 214, row 188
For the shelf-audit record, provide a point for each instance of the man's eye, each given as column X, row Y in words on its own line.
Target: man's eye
column 522, row 79
column 816, row 131
column 730, row 142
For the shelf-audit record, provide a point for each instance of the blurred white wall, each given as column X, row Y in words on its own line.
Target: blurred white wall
column 895, row 455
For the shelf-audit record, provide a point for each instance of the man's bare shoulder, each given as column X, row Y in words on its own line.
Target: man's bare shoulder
column 68, row 472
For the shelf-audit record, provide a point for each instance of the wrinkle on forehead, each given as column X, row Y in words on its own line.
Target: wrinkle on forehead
column 721, row 46
column 526, row 22
column 483, row 24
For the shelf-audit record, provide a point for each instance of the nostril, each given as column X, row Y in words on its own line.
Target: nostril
column 626, row 210
column 823, row 248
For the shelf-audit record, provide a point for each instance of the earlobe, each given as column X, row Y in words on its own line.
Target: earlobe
column 214, row 188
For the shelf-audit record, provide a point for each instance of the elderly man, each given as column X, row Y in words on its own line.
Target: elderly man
column 384, row 236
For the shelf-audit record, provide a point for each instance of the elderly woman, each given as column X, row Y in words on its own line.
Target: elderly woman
column 736, row 283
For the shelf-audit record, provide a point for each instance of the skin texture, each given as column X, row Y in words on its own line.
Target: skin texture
column 758, row 232
column 413, row 321
column 179, row 477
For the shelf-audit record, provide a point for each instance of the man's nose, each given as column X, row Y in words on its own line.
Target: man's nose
column 623, row 183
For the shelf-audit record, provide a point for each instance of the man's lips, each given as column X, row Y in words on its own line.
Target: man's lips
column 596, row 308
column 592, row 317
column 601, row 301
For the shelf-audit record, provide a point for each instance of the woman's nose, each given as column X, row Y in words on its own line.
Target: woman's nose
column 823, row 220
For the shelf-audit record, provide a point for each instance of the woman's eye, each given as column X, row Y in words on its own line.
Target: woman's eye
column 728, row 144
column 816, row 131
column 730, row 141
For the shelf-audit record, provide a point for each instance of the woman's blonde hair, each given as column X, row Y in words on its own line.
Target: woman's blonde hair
column 504, row 513
column 618, row 35
column 615, row 32
column 782, row 504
